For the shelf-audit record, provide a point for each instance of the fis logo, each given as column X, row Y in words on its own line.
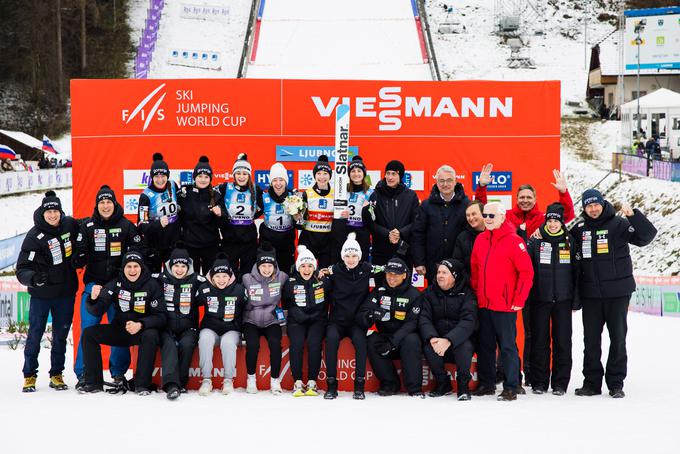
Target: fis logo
column 146, row 115
column 392, row 108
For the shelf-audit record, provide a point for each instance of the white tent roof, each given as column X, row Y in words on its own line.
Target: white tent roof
column 23, row 138
column 659, row 99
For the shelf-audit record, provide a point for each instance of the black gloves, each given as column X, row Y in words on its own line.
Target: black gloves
column 383, row 346
column 377, row 314
column 39, row 279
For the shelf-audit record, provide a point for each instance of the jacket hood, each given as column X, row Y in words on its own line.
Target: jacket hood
column 42, row 224
column 255, row 273
column 139, row 283
column 521, row 214
column 167, row 273
column 230, row 282
column 608, row 212
column 115, row 217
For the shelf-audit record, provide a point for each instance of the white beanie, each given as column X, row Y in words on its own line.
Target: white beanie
column 351, row 246
column 278, row 171
column 305, row 256
column 242, row 164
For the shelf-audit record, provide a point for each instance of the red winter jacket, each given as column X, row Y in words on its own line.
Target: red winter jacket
column 501, row 269
column 535, row 217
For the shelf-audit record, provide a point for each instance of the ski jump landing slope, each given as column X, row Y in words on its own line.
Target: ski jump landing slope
column 338, row 39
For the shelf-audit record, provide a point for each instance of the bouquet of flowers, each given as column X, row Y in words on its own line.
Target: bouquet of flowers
column 294, row 204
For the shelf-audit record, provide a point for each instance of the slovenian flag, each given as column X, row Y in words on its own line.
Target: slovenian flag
column 47, row 146
column 7, row 153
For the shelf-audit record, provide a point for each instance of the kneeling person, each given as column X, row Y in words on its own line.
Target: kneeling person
column 135, row 297
column 446, row 323
column 391, row 315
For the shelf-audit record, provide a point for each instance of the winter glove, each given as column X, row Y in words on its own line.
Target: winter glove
column 383, row 346
column 576, row 304
column 39, row 279
column 377, row 315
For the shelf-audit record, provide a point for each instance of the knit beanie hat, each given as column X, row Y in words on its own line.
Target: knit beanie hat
column 50, row 202
column 106, row 193
column 203, row 167
column 455, row 267
column 266, row 254
column 305, row 256
column 242, row 164
column 180, row 255
column 397, row 266
column 591, row 196
column 133, row 256
column 555, row 211
column 322, row 165
column 159, row 166
column 221, row 265
column 351, row 246
column 278, row 171
column 357, row 163
column 396, row 166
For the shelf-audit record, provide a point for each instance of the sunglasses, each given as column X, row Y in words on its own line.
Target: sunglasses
column 488, row 215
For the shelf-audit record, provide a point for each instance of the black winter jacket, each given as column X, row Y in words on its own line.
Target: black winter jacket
column 223, row 307
column 437, row 226
column 451, row 314
column 555, row 269
column 388, row 209
column 48, row 249
column 305, row 300
column 400, row 306
column 347, row 290
column 139, row 301
column 157, row 238
column 465, row 241
column 606, row 269
column 200, row 226
column 180, row 301
column 101, row 245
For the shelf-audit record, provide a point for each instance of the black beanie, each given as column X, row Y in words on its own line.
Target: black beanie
column 456, row 267
column 555, row 211
column 591, row 196
column 159, row 167
column 203, row 167
column 50, row 202
column 266, row 254
column 180, row 255
column 221, row 265
column 105, row 193
column 396, row 166
column 322, row 165
column 133, row 256
column 357, row 163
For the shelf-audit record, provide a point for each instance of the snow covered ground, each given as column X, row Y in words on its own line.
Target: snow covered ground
column 586, row 158
column 645, row 421
column 224, row 37
column 478, row 54
column 348, row 39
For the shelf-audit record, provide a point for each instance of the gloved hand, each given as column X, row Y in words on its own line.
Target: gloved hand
column 383, row 346
column 40, row 278
column 377, row 314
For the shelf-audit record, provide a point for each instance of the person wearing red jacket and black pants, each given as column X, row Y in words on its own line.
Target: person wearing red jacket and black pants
column 501, row 276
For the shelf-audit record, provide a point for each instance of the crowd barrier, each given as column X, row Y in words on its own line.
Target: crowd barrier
column 637, row 165
column 19, row 182
column 9, row 250
column 147, row 42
